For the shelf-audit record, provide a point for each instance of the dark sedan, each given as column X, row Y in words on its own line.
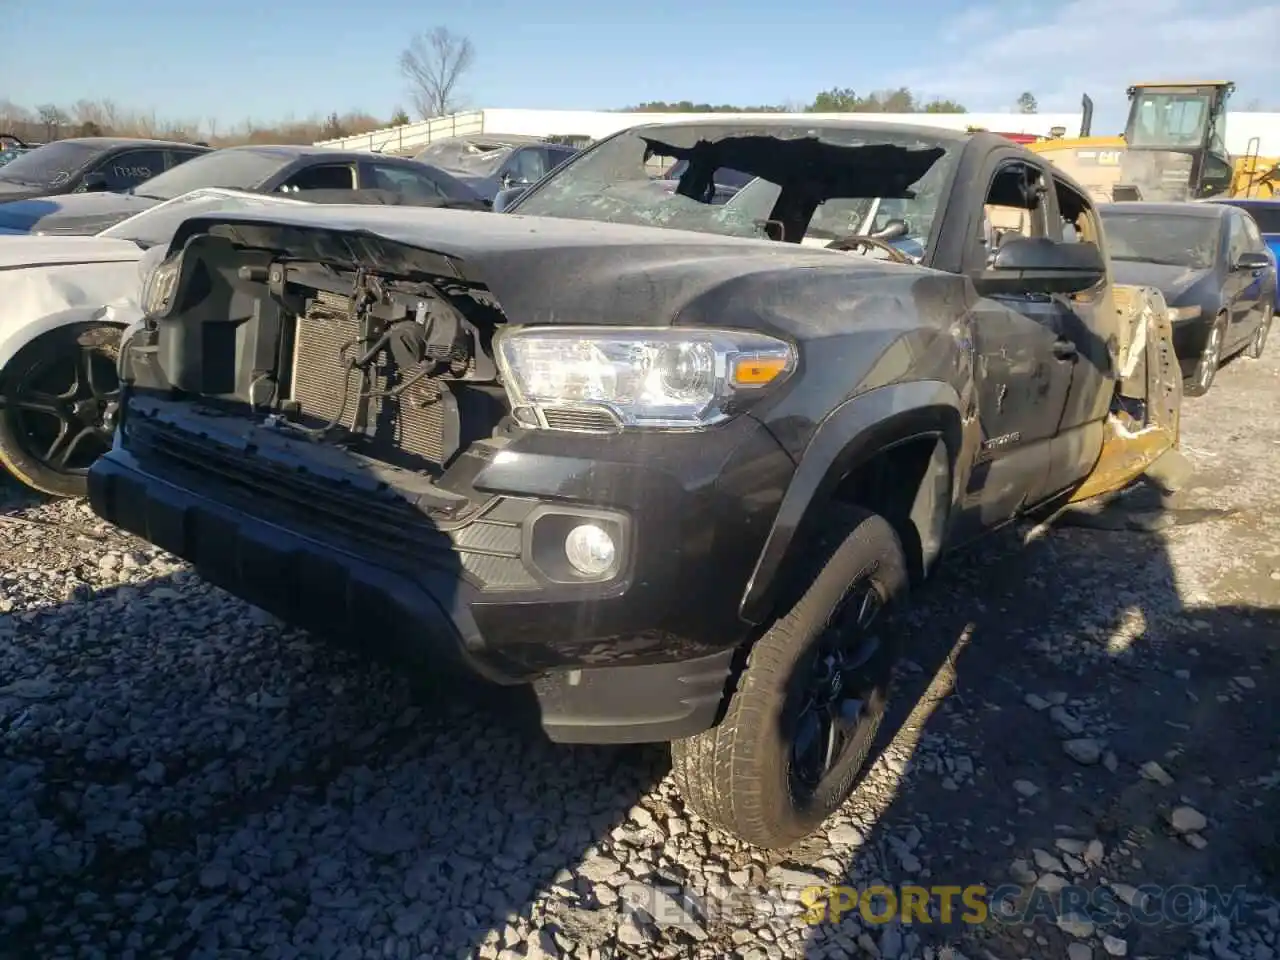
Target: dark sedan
column 1266, row 214
column 1211, row 264
column 90, row 165
column 304, row 172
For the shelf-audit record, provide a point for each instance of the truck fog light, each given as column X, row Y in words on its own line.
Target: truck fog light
column 590, row 550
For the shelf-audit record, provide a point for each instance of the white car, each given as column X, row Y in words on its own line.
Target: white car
column 65, row 301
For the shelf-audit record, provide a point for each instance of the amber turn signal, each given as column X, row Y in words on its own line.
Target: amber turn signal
column 757, row 371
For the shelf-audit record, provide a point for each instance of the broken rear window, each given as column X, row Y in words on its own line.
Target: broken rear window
column 801, row 182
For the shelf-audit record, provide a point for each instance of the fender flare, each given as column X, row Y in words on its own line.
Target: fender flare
column 120, row 315
column 859, row 428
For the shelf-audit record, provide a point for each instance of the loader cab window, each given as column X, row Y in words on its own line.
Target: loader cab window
column 1168, row 121
column 1218, row 135
column 1014, row 207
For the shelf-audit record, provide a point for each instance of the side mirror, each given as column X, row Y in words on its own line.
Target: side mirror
column 94, row 182
column 1039, row 265
column 505, row 198
column 893, row 230
column 1251, row 261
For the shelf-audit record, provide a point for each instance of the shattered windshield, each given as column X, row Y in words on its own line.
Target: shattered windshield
column 158, row 225
column 51, row 165
column 1169, row 239
column 483, row 164
column 467, row 157
column 804, row 183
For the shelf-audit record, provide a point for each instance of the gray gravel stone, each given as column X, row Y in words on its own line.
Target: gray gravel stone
column 1025, row 788
column 1083, row 750
column 1187, row 820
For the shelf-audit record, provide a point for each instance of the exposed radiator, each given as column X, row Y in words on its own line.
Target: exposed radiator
column 416, row 422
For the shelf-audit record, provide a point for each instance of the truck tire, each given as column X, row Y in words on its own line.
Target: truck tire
column 1210, row 359
column 60, row 392
column 753, row 774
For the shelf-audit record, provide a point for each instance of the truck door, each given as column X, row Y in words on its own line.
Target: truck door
column 1088, row 320
column 1022, row 362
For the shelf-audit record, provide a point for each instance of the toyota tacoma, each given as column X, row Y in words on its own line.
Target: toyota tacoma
column 652, row 455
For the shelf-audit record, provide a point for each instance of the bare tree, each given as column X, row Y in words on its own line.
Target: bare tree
column 434, row 63
column 54, row 119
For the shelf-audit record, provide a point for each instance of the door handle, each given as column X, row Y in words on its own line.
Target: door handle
column 1065, row 350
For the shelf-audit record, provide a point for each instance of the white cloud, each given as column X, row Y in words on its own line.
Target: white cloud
column 992, row 53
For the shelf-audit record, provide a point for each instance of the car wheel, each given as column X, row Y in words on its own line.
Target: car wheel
column 61, row 394
column 1259, row 341
column 1210, row 360
column 810, row 699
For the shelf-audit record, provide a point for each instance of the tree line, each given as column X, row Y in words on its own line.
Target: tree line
column 835, row 100
column 104, row 118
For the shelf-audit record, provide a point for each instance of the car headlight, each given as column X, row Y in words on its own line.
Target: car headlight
column 158, row 285
column 604, row 378
column 1183, row 313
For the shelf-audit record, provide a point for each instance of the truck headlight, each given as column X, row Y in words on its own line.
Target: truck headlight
column 1177, row 314
column 158, row 286
column 601, row 378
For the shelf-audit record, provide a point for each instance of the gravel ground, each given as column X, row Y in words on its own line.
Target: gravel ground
column 185, row 777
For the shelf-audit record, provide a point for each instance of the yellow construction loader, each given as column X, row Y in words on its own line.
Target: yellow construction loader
column 1173, row 149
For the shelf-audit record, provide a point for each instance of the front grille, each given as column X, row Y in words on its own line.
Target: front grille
column 415, row 423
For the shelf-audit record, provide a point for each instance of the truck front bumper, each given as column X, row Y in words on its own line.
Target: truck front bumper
column 643, row 655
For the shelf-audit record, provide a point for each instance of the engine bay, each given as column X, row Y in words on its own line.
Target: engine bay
column 392, row 367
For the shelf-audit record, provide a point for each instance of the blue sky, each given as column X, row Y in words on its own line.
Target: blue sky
column 270, row 59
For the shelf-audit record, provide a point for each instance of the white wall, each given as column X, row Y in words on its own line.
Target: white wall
column 596, row 124
column 1243, row 126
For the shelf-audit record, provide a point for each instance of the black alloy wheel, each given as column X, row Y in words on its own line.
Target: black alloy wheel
column 61, row 396
column 840, row 706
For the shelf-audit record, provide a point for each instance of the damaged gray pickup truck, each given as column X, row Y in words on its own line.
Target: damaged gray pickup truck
column 664, row 460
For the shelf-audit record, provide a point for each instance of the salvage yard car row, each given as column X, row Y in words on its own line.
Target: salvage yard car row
column 69, row 291
column 669, row 456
